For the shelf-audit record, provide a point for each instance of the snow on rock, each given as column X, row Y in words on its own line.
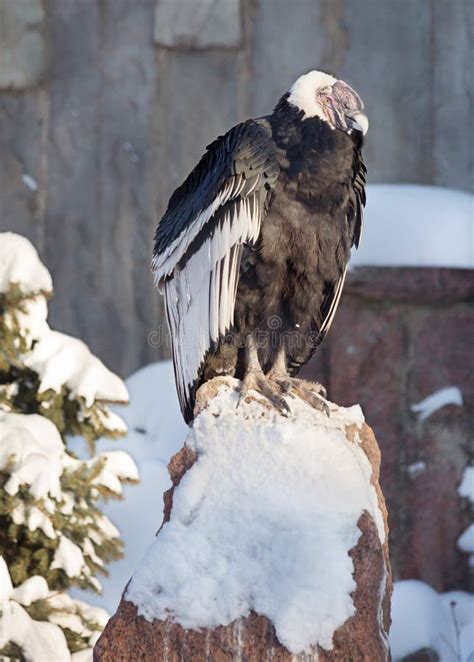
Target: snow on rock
column 450, row 395
column 417, row 226
column 264, row 521
column 61, row 360
column 421, row 618
column 21, row 264
column 33, row 446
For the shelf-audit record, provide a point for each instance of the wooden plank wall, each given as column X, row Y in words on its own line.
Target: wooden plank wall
column 111, row 102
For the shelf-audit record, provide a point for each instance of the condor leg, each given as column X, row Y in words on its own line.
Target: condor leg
column 255, row 380
column 313, row 393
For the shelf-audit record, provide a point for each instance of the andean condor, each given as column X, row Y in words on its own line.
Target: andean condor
column 252, row 251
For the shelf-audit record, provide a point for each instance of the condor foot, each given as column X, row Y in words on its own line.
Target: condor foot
column 313, row 393
column 255, row 380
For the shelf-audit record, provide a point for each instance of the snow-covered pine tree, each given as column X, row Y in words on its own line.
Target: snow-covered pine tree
column 53, row 535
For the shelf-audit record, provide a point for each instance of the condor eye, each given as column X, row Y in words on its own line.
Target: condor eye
column 326, row 101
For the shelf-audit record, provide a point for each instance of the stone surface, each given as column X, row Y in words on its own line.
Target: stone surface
column 22, row 44
column 198, row 24
column 130, row 636
column 400, row 335
column 412, row 285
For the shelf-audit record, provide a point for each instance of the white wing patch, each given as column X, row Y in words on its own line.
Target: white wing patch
column 200, row 296
column 164, row 263
column 334, row 304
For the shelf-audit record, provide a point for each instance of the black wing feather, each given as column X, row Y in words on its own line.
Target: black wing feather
column 199, row 241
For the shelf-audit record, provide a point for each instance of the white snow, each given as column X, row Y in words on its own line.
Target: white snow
column 44, row 640
column 118, row 466
column 156, row 432
column 61, row 360
column 33, row 452
column 69, row 558
column 39, row 640
column 30, row 182
column 421, row 618
column 416, row 468
column 450, row 395
column 21, row 265
column 264, row 520
column 34, row 588
column 466, row 488
column 466, row 540
column 417, row 226
column 36, row 519
column 32, row 320
column 33, row 446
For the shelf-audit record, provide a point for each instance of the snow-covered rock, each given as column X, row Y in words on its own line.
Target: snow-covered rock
column 408, row 225
column 449, row 395
column 273, row 519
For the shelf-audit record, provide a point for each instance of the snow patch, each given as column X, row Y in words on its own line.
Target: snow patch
column 450, row 395
column 466, row 540
column 417, row 226
column 29, row 182
column 21, row 265
column 33, row 447
column 61, row 360
column 263, row 521
column 39, row 640
column 118, row 466
column 69, row 557
column 34, row 588
column 416, row 468
column 422, row 618
column 466, row 488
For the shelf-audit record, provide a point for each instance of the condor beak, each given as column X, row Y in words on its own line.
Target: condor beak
column 358, row 121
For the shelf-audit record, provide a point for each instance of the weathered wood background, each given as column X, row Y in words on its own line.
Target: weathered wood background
column 106, row 104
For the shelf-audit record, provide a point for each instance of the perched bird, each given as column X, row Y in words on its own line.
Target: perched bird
column 252, row 251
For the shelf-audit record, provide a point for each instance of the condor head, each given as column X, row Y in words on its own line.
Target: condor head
column 320, row 95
